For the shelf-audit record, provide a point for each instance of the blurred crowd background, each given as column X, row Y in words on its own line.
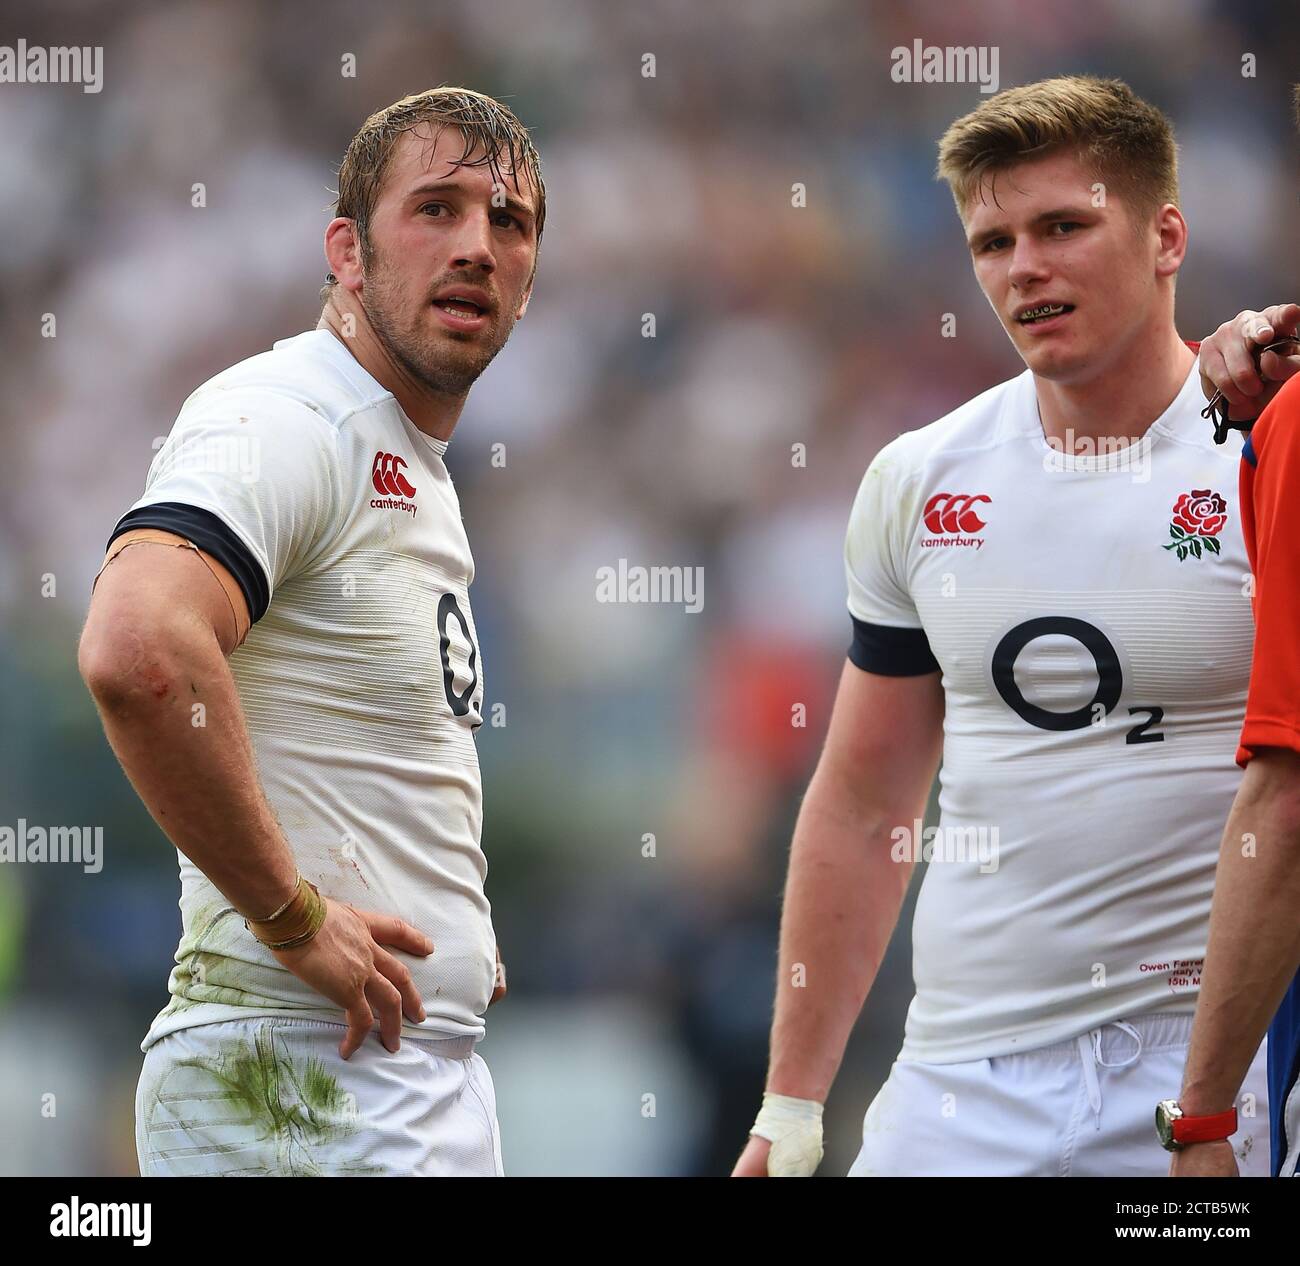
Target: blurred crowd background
column 775, row 325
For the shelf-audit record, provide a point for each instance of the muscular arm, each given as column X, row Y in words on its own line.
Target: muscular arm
column 153, row 653
column 844, row 891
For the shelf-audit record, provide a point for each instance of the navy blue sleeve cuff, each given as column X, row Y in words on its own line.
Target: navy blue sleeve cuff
column 212, row 535
column 891, row 652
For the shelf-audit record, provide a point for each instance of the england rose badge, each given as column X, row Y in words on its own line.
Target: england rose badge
column 1198, row 518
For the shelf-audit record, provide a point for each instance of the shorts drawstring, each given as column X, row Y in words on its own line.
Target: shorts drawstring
column 1090, row 1053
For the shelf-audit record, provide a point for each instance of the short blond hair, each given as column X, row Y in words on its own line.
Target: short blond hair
column 483, row 122
column 1125, row 141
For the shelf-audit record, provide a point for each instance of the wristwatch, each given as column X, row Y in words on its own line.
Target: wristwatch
column 1177, row 1130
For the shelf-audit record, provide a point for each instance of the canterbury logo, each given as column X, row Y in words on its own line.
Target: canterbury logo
column 953, row 512
column 387, row 476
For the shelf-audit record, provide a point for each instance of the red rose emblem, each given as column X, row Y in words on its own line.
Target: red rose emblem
column 1200, row 512
column 1197, row 519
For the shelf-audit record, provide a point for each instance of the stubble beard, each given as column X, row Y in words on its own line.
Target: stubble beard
column 449, row 362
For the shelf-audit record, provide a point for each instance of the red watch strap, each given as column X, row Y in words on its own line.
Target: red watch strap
column 1205, row 1129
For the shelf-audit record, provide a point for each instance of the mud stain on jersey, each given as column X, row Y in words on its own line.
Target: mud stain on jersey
column 204, row 972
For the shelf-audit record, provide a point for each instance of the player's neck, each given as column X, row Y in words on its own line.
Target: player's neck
column 433, row 413
column 1121, row 402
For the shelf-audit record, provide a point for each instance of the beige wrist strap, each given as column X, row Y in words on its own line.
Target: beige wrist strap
column 295, row 922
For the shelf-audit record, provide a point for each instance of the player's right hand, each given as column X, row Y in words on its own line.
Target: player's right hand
column 1228, row 359
column 347, row 962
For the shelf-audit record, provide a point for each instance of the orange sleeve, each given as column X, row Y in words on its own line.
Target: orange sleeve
column 1270, row 509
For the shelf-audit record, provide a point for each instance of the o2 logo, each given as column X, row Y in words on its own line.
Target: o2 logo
column 460, row 701
column 1110, row 679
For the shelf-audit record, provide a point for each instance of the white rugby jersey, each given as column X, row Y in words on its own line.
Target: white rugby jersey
column 361, row 678
column 1091, row 619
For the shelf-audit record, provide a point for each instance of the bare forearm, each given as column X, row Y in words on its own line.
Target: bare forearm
column 172, row 716
column 1254, row 943
column 842, row 899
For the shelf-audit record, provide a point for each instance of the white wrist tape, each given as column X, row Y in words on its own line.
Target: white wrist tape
column 794, row 1128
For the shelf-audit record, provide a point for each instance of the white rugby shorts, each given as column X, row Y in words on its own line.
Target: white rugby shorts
column 1083, row 1108
column 271, row 1096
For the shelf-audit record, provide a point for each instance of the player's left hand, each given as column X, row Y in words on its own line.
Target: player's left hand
column 499, row 989
column 1228, row 359
column 1204, row 1160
